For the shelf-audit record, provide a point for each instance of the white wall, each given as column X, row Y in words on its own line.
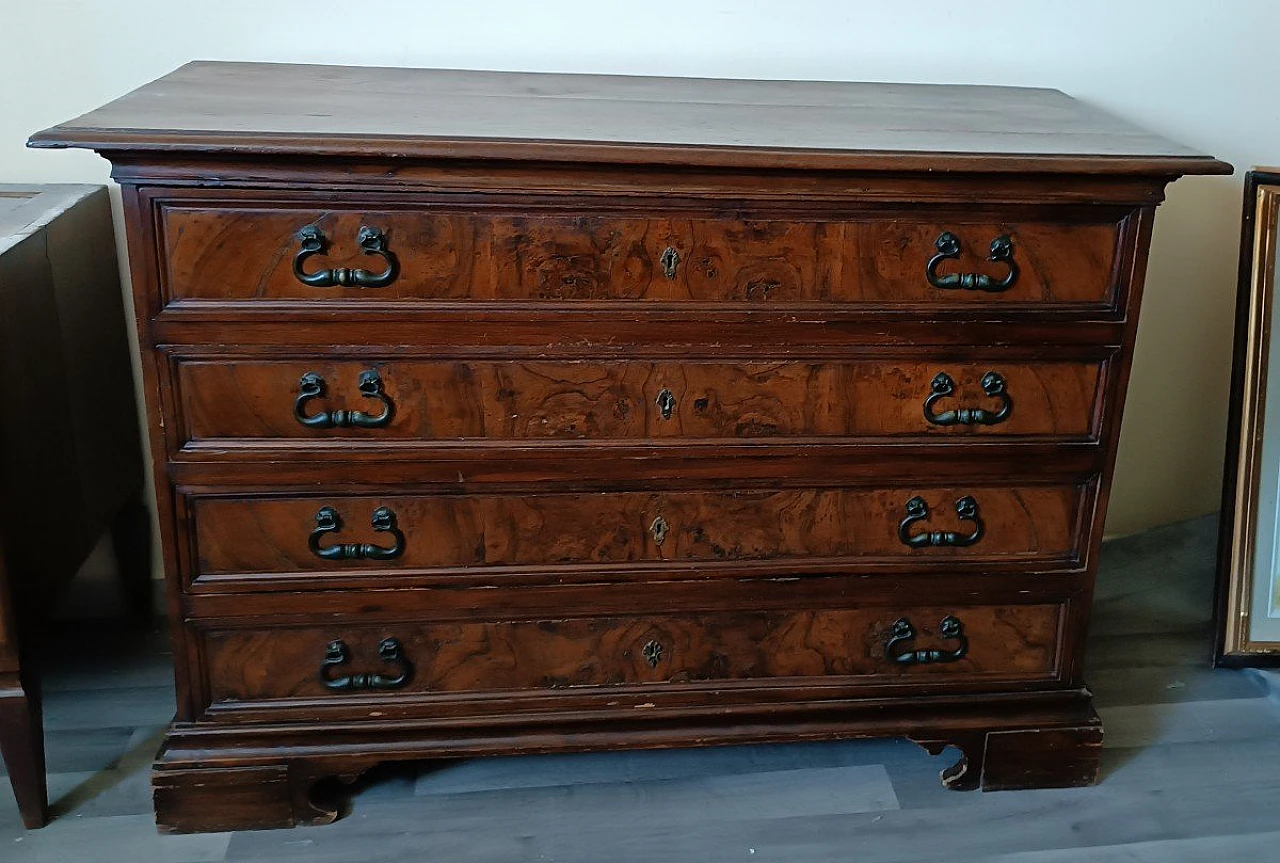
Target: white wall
column 1201, row 73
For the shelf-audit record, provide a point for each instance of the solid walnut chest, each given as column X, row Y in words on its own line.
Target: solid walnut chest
column 499, row 413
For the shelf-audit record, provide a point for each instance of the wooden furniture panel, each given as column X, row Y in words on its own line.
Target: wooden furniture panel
column 249, row 252
column 400, row 116
column 70, row 456
column 658, row 355
column 21, row 718
column 1057, row 262
column 667, row 259
column 282, row 534
column 232, row 399
column 999, row 643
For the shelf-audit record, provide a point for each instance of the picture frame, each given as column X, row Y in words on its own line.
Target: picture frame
column 1248, row 586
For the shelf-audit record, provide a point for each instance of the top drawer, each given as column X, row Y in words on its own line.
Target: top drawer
column 274, row 251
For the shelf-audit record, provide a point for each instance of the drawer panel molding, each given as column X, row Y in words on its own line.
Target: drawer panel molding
column 844, row 646
column 266, row 251
column 380, row 400
column 412, row 534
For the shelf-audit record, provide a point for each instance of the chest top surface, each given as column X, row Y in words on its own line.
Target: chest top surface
column 346, row 111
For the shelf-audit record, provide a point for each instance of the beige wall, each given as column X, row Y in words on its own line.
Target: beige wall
column 1198, row 72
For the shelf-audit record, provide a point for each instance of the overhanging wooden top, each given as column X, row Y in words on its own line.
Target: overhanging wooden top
column 357, row 112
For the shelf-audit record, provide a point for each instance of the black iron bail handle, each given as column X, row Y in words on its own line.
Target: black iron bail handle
column 390, row 651
column 903, row 632
column 918, row 510
column 329, row 522
column 948, row 249
column 372, row 241
column 943, row 387
column 312, row 386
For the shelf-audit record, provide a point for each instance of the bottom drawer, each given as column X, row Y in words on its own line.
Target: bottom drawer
column 841, row 646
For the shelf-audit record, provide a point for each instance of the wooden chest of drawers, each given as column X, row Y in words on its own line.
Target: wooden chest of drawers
column 503, row 413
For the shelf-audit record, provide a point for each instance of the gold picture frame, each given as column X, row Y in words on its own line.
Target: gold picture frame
column 1248, row 596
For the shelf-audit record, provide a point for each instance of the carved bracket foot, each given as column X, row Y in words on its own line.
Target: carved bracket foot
column 966, row 773
column 206, row 799
column 1021, row 758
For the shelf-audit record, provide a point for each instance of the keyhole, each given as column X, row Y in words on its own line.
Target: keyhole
column 670, row 260
column 666, row 403
column 652, row 653
column 659, row 529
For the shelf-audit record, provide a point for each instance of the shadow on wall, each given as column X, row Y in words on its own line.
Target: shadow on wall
column 1173, row 442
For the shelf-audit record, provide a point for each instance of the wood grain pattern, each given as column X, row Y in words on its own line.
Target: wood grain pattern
column 599, row 258
column 237, row 795
column 1057, row 758
column 235, row 534
column 532, row 321
column 1004, row 642
column 263, row 109
column 246, row 252
column 584, row 400
column 1179, row 734
column 664, row 588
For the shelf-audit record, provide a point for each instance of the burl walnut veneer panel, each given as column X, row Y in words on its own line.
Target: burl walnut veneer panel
column 260, row 665
column 273, row 534
column 668, row 400
column 246, row 252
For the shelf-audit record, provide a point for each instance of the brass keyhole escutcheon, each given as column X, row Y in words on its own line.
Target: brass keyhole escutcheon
column 652, row 653
column 659, row 529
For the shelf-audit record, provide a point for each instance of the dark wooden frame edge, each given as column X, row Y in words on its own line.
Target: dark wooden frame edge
column 1230, row 490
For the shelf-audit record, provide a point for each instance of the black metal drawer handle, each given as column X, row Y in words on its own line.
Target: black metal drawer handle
column 918, row 510
column 951, row 629
column 390, row 651
column 312, row 386
column 943, row 386
column 948, row 246
column 328, row 521
column 372, row 241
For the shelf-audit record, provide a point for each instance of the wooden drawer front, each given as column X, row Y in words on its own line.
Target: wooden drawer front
column 441, row 401
column 275, row 534
column 1014, row 642
column 249, row 253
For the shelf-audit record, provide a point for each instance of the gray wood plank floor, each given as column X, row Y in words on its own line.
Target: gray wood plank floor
column 1191, row 770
